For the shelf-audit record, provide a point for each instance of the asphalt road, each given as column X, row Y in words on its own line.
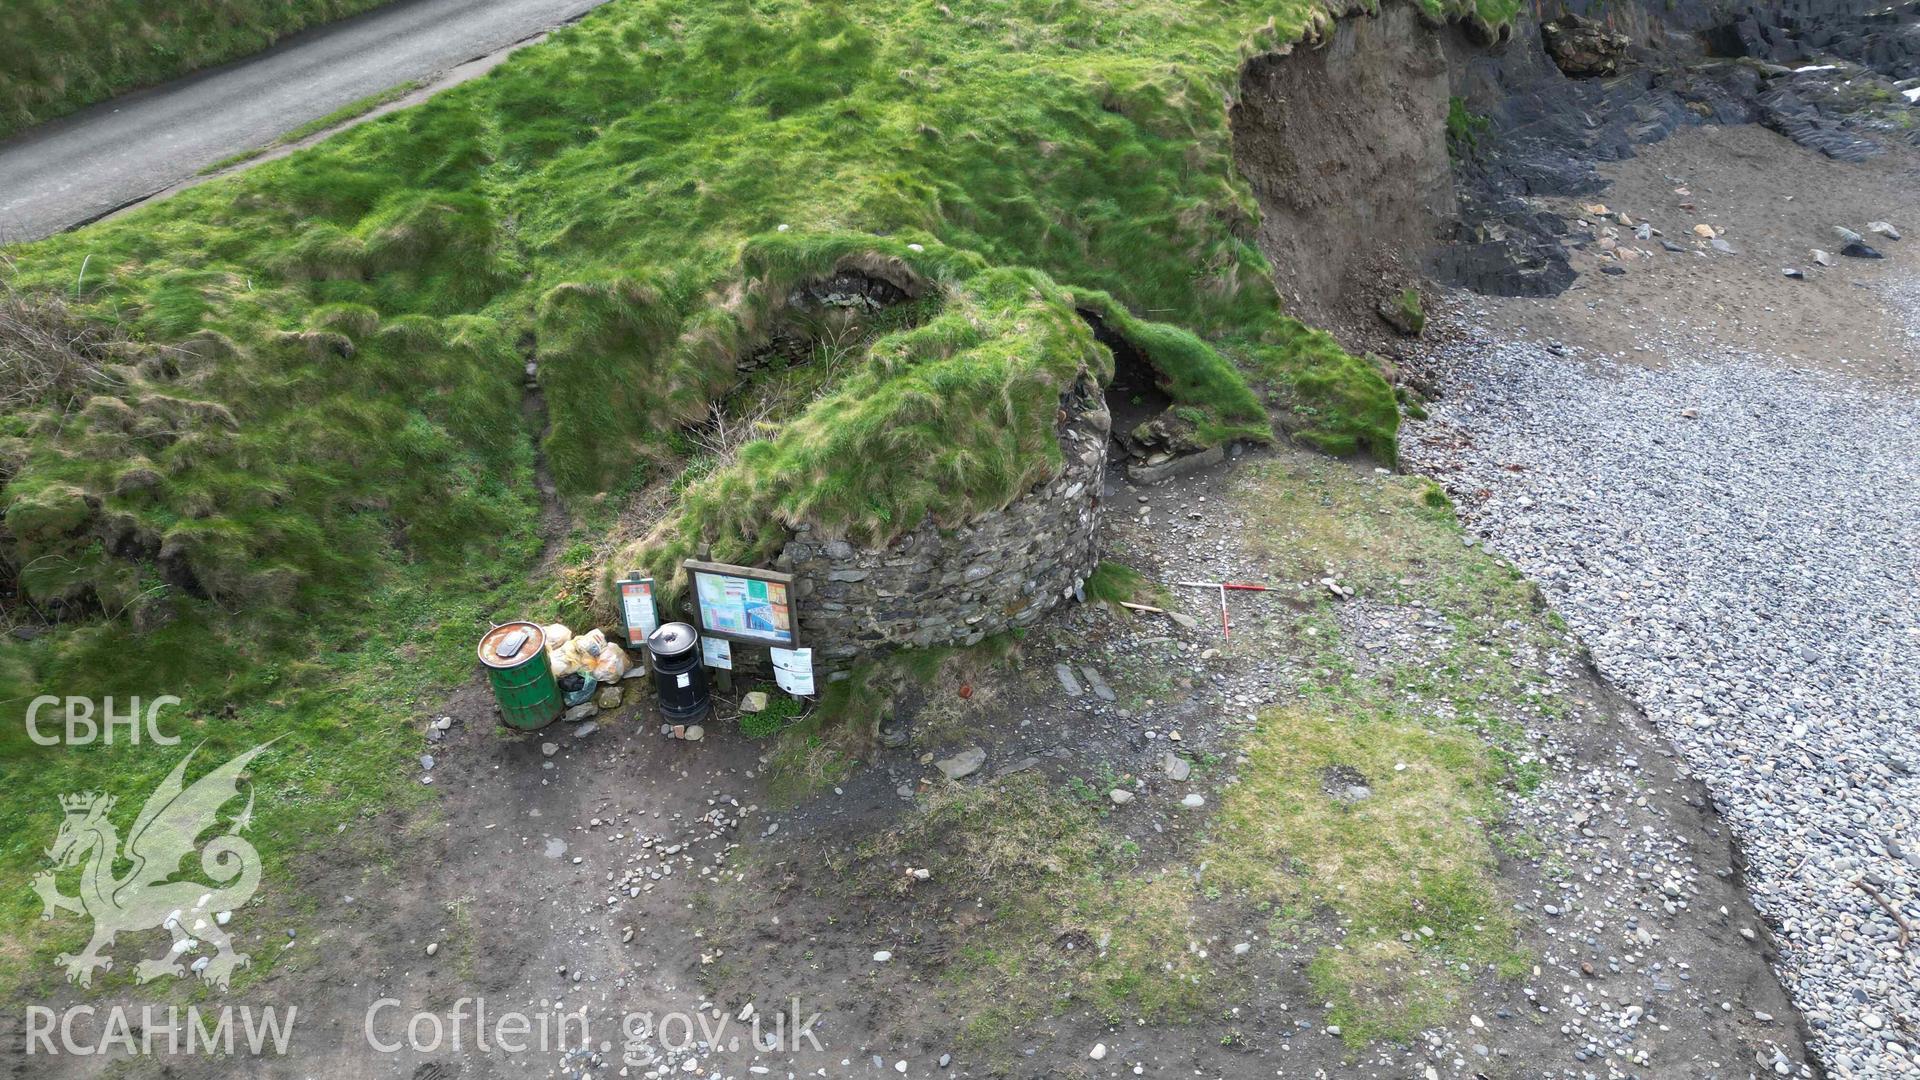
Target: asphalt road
column 86, row 165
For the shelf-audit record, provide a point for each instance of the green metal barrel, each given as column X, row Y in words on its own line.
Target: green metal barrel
column 515, row 656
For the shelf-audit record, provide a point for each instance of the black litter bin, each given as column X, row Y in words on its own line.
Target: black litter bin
column 677, row 672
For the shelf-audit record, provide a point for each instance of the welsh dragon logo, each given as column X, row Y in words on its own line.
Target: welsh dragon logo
column 166, row 832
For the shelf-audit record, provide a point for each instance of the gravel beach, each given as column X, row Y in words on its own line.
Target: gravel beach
column 1738, row 542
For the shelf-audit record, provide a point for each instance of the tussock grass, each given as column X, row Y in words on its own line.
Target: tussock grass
column 60, row 55
column 1112, row 583
column 50, row 356
column 620, row 205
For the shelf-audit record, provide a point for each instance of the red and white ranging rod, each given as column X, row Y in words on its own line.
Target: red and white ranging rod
column 1223, row 587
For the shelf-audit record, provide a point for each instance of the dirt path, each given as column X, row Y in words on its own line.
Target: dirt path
column 626, row 874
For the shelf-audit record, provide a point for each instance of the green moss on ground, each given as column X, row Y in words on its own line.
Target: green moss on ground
column 56, row 57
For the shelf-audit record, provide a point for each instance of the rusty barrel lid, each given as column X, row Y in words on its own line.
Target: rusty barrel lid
column 531, row 641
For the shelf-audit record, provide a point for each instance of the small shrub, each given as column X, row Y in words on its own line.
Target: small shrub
column 781, row 711
column 50, row 355
column 1464, row 129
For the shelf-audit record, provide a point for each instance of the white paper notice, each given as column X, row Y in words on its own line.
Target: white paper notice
column 717, row 652
column 793, row 670
column 636, row 602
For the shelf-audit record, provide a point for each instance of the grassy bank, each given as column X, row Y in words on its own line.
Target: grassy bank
column 59, row 57
column 615, row 204
column 319, row 390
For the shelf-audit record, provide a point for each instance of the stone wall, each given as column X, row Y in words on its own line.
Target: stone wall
column 999, row 571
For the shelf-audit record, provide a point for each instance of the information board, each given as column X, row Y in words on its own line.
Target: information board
column 740, row 603
column 637, row 610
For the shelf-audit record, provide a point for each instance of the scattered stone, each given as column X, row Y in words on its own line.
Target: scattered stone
column 1100, row 688
column 1176, row 767
column 754, row 702
column 1153, row 473
column 1824, row 258
column 1099, row 1052
column 1793, row 273
column 609, row 698
column 548, row 749
column 963, row 764
column 1582, row 48
column 433, row 948
column 1120, row 796
column 1071, row 685
column 1785, row 708
column 1857, row 250
column 586, row 710
column 883, row 956
column 1722, row 246
column 1881, row 228
column 1194, row 801
column 695, row 733
column 586, row 729
column 1403, row 312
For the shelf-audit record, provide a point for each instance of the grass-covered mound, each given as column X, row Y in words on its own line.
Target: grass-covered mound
column 354, row 318
column 60, row 55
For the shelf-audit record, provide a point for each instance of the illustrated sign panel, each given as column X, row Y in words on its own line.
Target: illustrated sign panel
column 636, row 607
column 743, row 604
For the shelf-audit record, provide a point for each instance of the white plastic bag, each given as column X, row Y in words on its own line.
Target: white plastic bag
column 591, row 654
column 603, row 659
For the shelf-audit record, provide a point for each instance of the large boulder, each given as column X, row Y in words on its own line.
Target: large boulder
column 1582, row 48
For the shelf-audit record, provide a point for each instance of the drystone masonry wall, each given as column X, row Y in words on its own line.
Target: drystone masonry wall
column 932, row 587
